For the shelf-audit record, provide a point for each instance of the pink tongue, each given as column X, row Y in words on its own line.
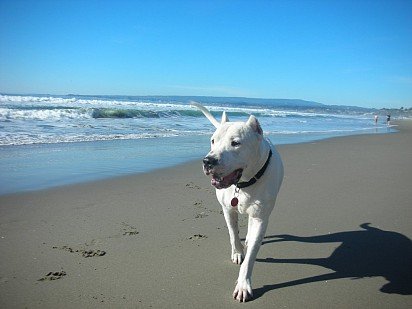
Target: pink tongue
column 225, row 181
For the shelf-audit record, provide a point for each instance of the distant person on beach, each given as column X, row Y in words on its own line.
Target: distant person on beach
column 388, row 119
column 376, row 119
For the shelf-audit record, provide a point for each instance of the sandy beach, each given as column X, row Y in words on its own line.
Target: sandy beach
column 339, row 237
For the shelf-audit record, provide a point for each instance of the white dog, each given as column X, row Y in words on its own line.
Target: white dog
column 247, row 172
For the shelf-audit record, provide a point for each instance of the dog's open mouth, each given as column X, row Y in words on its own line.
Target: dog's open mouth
column 225, row 182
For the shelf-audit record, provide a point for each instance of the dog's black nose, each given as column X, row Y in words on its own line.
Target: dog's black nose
column 209, row 161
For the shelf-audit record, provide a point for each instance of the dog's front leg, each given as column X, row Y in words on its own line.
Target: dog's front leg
column 256, row 232
column 231, row 218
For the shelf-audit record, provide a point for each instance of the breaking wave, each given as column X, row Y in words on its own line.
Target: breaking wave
column 63, row 119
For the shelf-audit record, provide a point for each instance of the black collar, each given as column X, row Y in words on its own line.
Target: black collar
column 259, row 174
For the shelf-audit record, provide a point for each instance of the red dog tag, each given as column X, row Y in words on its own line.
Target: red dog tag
column 234, row 202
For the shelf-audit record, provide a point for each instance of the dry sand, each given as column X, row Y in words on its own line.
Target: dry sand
column 339, row 236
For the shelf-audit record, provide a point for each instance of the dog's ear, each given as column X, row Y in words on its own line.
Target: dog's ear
column 206, row 113
column 254, row 123
column 225, row 118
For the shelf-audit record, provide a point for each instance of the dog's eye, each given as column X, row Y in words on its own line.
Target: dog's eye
column 212, row 141
column 235, row 144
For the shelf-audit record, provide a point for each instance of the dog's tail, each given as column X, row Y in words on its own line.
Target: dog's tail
column 208, row 115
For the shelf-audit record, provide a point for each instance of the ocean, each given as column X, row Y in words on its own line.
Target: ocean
column 48, row 141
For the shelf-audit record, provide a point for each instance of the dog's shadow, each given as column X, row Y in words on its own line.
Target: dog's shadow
column 368, row 252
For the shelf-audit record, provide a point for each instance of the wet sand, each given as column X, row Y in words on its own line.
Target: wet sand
column 339, row 236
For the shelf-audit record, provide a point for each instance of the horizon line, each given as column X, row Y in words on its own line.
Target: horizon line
column 200, row 96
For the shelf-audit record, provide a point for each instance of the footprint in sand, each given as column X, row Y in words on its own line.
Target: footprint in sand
column 191, row 185
column 92, row 253
column 199, row 204
column 129, row 230
column 53, row 276
column 82, row 252
column 197, row 237
column 201, row 215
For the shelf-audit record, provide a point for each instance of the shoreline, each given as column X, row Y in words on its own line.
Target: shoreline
column 339, row 236
column 48, row 166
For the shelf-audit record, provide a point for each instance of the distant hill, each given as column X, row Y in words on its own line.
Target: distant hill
column 258, row 101
column 213, row 100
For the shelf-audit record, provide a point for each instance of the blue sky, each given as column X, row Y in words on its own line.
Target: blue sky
column 333, row 52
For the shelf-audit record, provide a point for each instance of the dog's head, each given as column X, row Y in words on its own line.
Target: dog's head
column 233, row 146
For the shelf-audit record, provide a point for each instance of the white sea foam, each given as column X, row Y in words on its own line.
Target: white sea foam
column 28, row 139
column 44, row 114
column 51, row 119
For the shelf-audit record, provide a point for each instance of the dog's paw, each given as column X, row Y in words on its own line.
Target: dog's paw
column 237, row 257
column 243, row 291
